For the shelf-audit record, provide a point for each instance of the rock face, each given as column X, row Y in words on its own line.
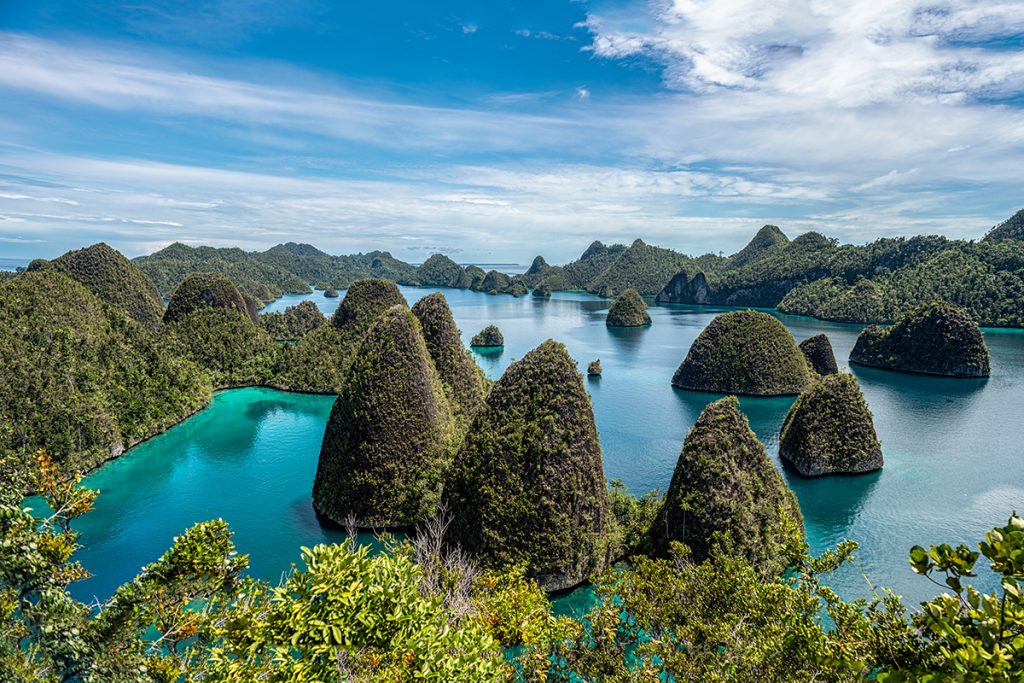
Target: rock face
column 489, row 336
column 725, row 482
column 935, row 339
column 109, row 275
column 388, row 438
column 464, row 382
column 818, row 352
column 629, row 310
column 528, row 484
column 744, row 352
column 829, row 430
column 204, row 290
column 682, row 290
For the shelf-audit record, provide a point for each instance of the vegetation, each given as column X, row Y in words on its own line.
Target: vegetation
column 528, row 484
column 725, row 491
column 935, row 339
column 1011, row 228
column 829, row 430
column 629, row 310
column 594, row 368
column 204, row 290
column 744, row 352
column 114, row 279
column 295, row 323
column 317, row 362
column 331, row 293
column 255, row 277
column 873, row 283
column 82, row 377
column 423, row 612
column 489, row 336
column 464, row 383
column 226, row 343
column 390, row 434
column 439, row 271
column 818, row 352
column 542, row 291
column 767, row 240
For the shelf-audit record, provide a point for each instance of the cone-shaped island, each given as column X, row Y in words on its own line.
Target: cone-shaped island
column 744, row 352
column 490, row 336
column 109, row 275
column 725, row 482
column 528, row 485
column 936, row 338
column 463, row 380
column 204, row 290
column 829, row 430
column 818, row 352
column 629, row 310
column 389, row 435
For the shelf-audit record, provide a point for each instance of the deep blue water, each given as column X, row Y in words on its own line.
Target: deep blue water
column 953, row 448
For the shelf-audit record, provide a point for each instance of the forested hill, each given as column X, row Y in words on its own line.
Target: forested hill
column 810, row 275
column 873, row 283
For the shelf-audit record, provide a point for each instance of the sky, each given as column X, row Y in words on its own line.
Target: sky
column 494, row 131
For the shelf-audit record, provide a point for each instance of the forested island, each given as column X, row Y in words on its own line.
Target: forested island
column 499, row 485
column 810, row 275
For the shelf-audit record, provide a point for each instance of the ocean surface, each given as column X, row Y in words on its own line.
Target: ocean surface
column 954, row 449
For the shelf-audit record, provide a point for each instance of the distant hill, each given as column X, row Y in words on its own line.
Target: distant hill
column 1011, row 228
column 767, row 240
column 259, row 278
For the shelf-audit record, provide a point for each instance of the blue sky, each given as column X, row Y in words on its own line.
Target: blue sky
column 498, row 130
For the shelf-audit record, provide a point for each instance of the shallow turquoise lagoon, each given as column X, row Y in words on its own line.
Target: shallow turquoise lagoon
column 954, row 449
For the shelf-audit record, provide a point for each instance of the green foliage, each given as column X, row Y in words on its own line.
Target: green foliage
column 331, row 293
column 253, row 275
column 82, row 378
column 641, row 267
column 347, row 616
column 226, row 343
column 463, row 380
column 114, row 279
column 634, row 517
column 726, row 492
column 829, row 430
column 317, row 363
column 1011, row 228
column 204, row 290
column 528, row 484
column 629, row 310
column 489, row 336
column 594, row 368
column 138, row 634
column 390, row 434
column 972, row 636
column 936, row 338
column 768, row 239
column 439, row 271
column 818, row 352
column 722, row 620
column 744, row 352
column 542, row 291
column 295, row 323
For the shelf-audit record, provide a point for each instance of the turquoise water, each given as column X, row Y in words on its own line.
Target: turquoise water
column 953, row 448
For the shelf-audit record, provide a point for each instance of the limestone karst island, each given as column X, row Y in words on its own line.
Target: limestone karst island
column 604, row 341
